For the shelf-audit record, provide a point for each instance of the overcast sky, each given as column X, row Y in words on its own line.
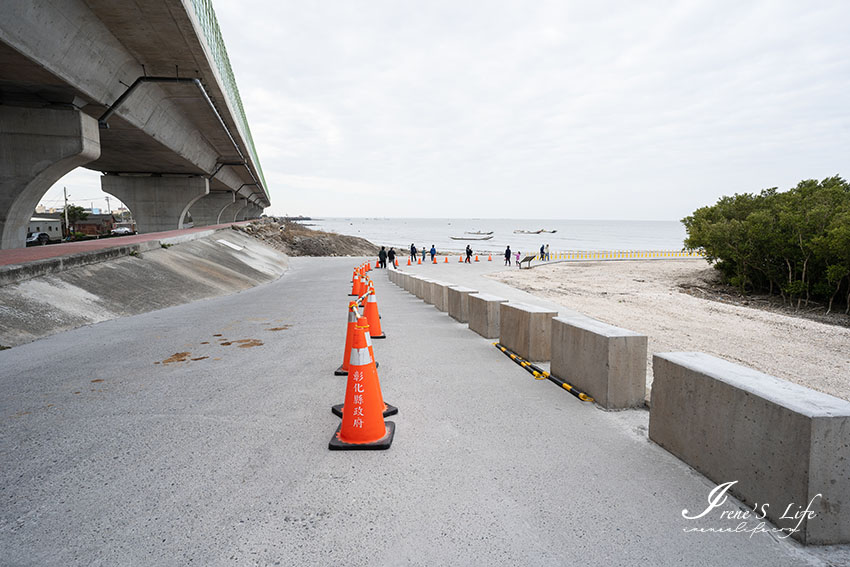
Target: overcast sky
column 576, row 110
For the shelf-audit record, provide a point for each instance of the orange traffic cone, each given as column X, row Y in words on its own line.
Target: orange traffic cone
column 377, row 265
column 476, row 257
column 489, row 257
column 460, row 259
column 388, row 409
column 371, row 313
column 353, row 318
column 363, row 426
column 355, row 284
column 395, row 263
column 365, row 282
column 408, row 260
column 349, row 338
column 419, row 261
column 446, row 261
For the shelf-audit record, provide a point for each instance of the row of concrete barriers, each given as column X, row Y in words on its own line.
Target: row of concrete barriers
column 780, row 443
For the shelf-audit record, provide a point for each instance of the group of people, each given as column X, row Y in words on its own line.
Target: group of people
column 384, row 255
column 390, row 255
column 414, row 253
column 544, row 254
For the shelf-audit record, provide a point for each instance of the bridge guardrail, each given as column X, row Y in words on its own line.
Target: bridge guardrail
column 212, row 33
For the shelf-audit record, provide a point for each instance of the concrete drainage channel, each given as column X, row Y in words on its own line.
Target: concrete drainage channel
column 49, row 296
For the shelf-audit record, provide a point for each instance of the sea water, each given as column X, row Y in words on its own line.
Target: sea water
column 569, row 235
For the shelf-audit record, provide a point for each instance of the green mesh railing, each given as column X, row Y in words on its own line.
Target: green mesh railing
column 209, row 24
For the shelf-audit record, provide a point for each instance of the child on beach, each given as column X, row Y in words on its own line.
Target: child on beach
column 517, row 259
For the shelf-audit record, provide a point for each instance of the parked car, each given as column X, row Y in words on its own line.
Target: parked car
column 122, row 230
column 37, row 238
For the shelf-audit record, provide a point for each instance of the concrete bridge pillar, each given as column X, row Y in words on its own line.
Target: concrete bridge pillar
column 37, row 147
column 244, row 212
column 229, row 213
column 207, row 210
column 157, row 203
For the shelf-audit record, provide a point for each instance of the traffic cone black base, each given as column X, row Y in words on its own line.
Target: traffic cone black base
column 381, row 337
column 379, row 445
column 391, row 410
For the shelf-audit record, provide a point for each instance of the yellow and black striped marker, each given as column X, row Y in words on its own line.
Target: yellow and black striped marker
column 540, row 374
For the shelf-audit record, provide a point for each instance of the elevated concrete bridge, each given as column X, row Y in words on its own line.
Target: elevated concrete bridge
column 140, row 91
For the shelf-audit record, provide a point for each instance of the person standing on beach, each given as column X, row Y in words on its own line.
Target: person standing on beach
column 433, row 253
column 542, row 252
column 382, row 258
column 547, row 252
column 424, row 252
column 468, row 254
column 508, row 256
column 412, row 253
column 391, row 256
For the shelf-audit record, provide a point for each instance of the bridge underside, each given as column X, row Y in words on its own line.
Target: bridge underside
column 76, row 67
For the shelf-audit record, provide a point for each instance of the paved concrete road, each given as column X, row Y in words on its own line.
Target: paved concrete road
column 109, row 458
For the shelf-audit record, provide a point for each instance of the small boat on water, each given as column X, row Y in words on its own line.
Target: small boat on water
column 534, row 231
column 477, row 232
column 487, row 237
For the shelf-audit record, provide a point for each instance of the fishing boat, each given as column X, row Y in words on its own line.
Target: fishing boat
column 487, row 237
column 477, row 232
column 528, row 231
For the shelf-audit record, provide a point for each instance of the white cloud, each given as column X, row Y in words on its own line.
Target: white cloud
column 642, row 110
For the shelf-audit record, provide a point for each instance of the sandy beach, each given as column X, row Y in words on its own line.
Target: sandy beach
column 646, row 297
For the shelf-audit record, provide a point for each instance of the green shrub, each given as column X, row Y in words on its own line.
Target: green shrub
column 795, row 243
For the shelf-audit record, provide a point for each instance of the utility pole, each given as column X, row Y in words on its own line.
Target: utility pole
column 67, row 228
column 108, row 208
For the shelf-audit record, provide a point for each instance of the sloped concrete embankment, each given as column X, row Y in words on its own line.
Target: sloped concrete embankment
column 220, row 263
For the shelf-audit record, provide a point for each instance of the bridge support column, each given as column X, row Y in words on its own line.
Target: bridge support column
column 242, row 211
column 37, row 147
column 207, row 210
column 157, row 203
column 228, row 214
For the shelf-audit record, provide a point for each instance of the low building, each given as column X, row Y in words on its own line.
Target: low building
column 95, row 225
column 51, row 226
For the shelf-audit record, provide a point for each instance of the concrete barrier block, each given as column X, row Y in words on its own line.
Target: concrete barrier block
column 607, row 362
column 423, row 289
column 458, row 302
column 527, row 330
column 431, row 292
column 782, row 444
column 440, row 295
column 484, row 314
column 406, row 281
column 414, row 284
